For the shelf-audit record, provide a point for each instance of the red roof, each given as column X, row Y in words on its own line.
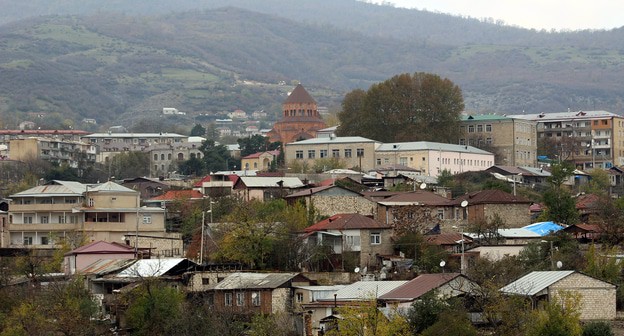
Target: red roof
column 200, row 182
column 101, row 247
column 588, row 201
column 299, row 95
column 490, row 196
column 419, row 286
column 327, row 182
column 257, row 155
column 171, row 195
column 346, row 222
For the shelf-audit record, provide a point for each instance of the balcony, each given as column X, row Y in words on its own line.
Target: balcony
column 44, row 227
column 46, row 207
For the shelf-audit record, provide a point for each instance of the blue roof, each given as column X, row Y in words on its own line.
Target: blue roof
column 543, row 228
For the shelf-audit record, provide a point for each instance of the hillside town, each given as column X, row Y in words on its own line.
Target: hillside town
column 302, row 229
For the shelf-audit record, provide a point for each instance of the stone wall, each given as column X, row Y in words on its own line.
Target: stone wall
column 514, row 215
column 597, row 297
column 281, row 300
column 369, row 252
column 331, row 205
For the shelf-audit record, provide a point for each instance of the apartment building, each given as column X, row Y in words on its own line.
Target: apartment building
column 430, row 158
column 587, row 138
column 56, row 150
column 43, row 216
column 512, row 140
column 354, row 151
column 70, row 135
column 165, row 150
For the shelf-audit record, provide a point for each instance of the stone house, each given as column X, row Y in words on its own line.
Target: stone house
column 147, row 186
column 332, row 199
column 353, row 151
column 483, row 205
column 597, row 297
column 259, row 161
column 354, row 233
column 265, row 188
column 256, row 293
column 440, row 209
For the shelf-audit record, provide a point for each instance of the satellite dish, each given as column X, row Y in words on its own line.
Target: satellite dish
column 254, row 295
column 423, row 185
column 464, row 203
column 442, row 263
column 559, row 264
column 364, row 270
column 356, row 270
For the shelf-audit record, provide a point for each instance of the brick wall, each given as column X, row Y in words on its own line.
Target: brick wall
column 597, row 297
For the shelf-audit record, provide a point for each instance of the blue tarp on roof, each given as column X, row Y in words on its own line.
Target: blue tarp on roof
column 543, row 228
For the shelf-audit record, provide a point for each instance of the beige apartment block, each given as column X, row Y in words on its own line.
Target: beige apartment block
column 45, row 215
column 56, row 150
column 587, row 138
column 356, row 152
column 512, row 140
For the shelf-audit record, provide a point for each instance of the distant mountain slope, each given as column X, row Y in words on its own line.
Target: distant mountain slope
column 118, row 67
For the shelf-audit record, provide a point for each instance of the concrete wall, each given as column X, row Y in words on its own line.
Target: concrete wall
column 597, row 297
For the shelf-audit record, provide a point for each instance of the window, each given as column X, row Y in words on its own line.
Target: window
column 45, row 241
column 147, row 219
column 73, row 219
column 379, row 162
column 462, row 142
column 91, row 202
column 479, row 128
column 471, row 129
column 61, row 219
column 162, row 157
column 299, row 154
column 155, row 157
column 228, row 299
column 335, row 153
column 352, row 240
column 28, row 219
column 440, row 214
column 44, row 220
column 488, row 141
column 299, row 297
column 311, row 154
column 323, row 153
column 347, row 153
column 28, row 240
column 488, row 128
column 360, row 152
column 375, row 238
column 255, row 299
column 240, row 298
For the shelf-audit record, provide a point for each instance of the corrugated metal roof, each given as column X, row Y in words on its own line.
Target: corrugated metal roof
column 580, row 115
column 106, row 266
column 491, row 196
column 135, row 135
column 534, row 282
column 268, row 182
column 363, row 290
column 145, row 268
column 101, row 247
column 346, row 222
column 54, row 188
column 418, row 197
column 482, row 117
column 543, row 228
column 112, row 187
column 427, row 145
column 419, row 286
column 254, row 280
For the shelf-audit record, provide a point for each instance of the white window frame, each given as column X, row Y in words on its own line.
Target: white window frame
column 147, row 219
column 375, row 238
column 240, row 299
column 228, row 299
column 255, row 300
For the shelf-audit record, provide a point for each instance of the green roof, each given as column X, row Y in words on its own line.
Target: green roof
column 483, row 117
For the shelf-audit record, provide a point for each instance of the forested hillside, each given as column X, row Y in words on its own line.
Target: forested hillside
column 117, row 67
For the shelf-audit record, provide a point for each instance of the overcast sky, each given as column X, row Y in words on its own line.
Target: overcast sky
column 538, row 14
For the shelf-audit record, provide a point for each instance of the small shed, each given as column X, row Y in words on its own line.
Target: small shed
column 597, row 297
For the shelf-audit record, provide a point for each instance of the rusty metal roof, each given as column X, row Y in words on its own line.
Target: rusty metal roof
column 420, row 285
column 106, row 266
column 346, row 222
column 254, row 280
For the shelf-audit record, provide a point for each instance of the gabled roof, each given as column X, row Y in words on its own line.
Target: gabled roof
column 363, row 290
column 346, row 222
column 54, row 188
column 420, row 285
column 418, row 197
column 490, row 196
column 299, row 95
column 270, row 182
column 111, row 187
column 145, row 268
column 199, row 183
column 534, row 282
column 101, row 247
column 171, row 195
column 254, row 280
column 258, row 154
column 587, row 202
column 316, row 190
